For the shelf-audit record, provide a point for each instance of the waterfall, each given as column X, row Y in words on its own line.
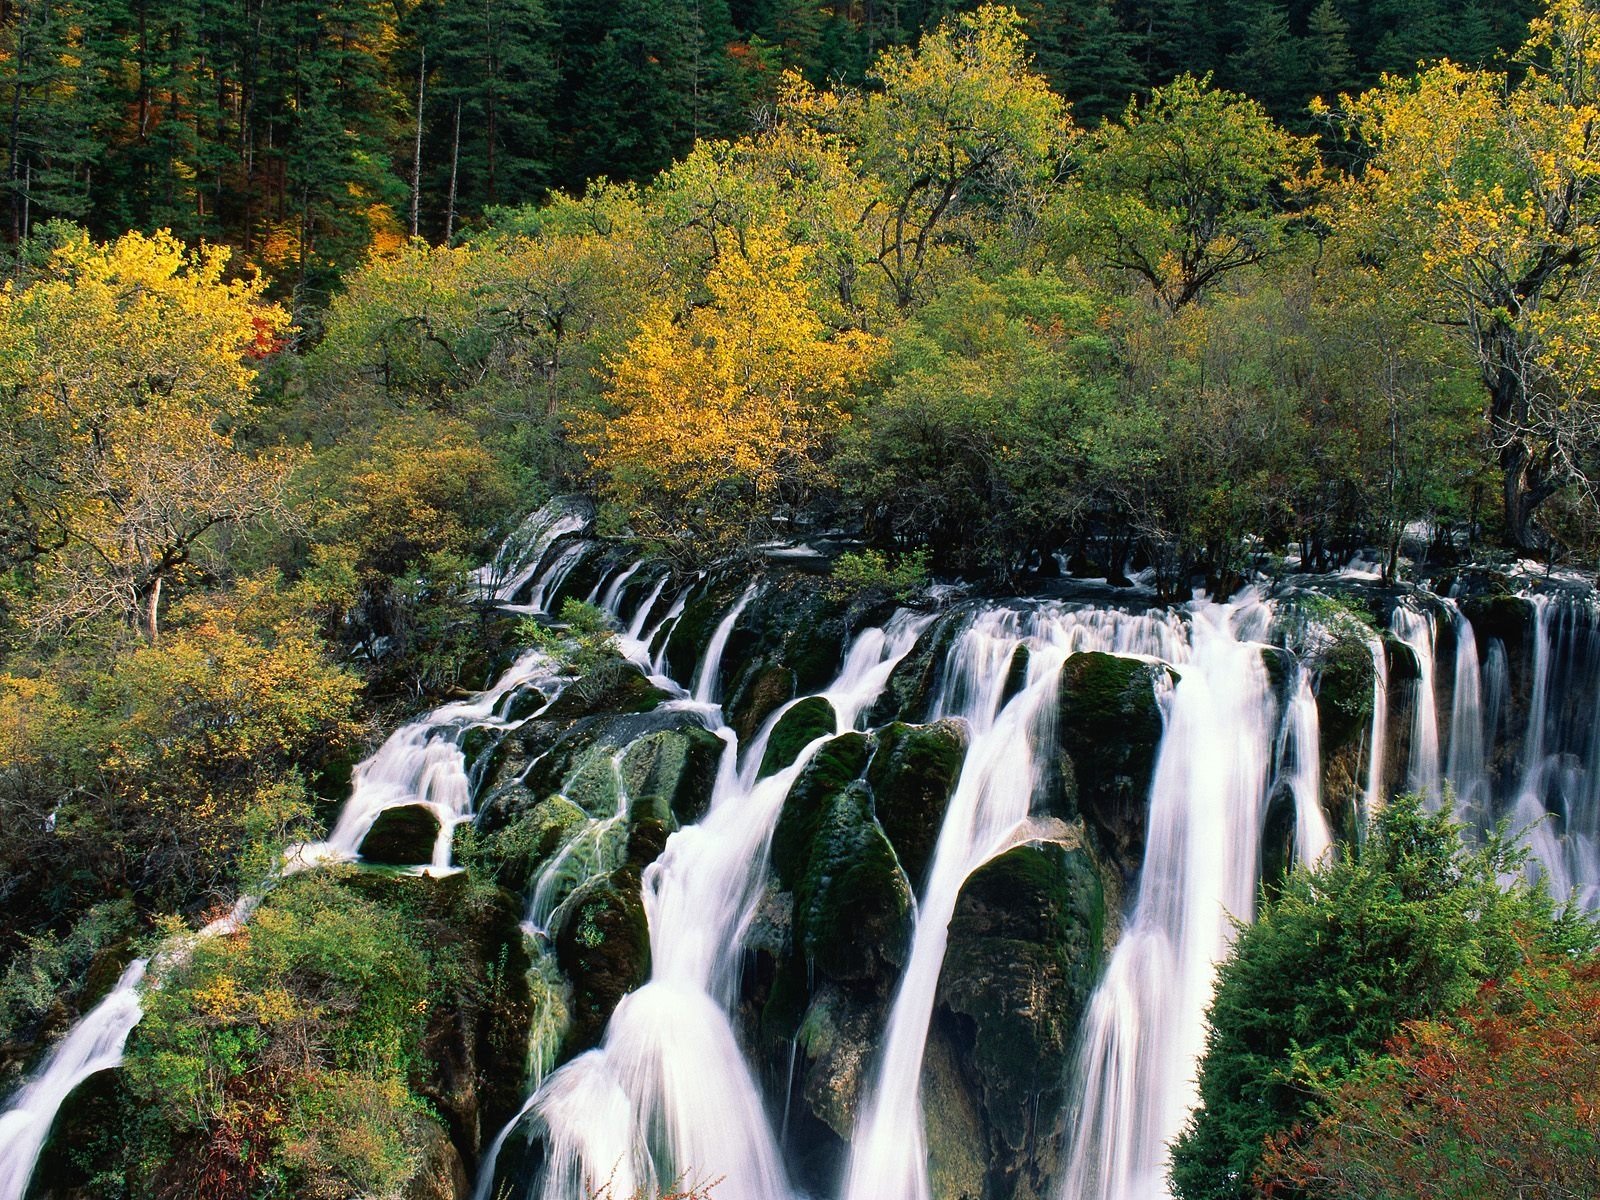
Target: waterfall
column 1010, row 742
column 94, row 1044
column 669, row 1090
column 705, row 683
column 522, row 555
column 1468, row 763
column 1145, row 1028
column 1302, row 736
column 1415, row 629
column 421, row 763
column 1372, row 795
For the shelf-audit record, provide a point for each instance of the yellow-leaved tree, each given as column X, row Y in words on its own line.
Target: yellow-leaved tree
column 1482, row 204
column 124, row 370
column 721, row 412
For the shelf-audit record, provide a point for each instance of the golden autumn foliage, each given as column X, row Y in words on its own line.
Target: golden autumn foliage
column 123, row 371
column 720, row 412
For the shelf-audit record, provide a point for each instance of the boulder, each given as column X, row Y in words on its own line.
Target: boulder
column 401, row 837
column 602, row 946
column 764, row 690
column 830, row 770
column 916, row 678
column 1023, row 957
column 519, row 850
column 672, row 773
column 1109, row 727
column 803, row 724
column 913, row 774
column 617, row 687
column 852, row 906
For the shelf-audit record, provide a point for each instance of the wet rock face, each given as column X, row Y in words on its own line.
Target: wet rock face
column 603, row 947
column 913, row 774
column 618, row 687
column 788, row 642
column 915, row 681
column 803, row 724
column 1024, row 955
column 1109, row 727
column 401, row 837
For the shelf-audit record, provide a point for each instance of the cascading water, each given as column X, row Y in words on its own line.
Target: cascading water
column 668, row 1090
column 522, row 555
column 1415, row 630
column 1372, row 794
column 1312, row 838
column 1467, row 765
column 1010, row 742
column 94, row 1044
column 1145, row 1027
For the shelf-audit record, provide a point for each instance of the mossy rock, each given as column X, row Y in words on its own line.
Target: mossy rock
column 671, row 774
column 523, row 703
column 1024, row 955
column 852, row 907
column 401, row 837
column 1344, row 693
column 617, row 687
column 761, row 693
column 1109, row 726
column 1282, row 668
column 828, row 773
column 791, row 626
column 838, row 1036
column 803, row 724
column 594, row 784
column 956, row 1162
column 916, row 678
column 693, row 631
column 521, row 849
column 913, row 775
column 603, row 948
column 647, row 838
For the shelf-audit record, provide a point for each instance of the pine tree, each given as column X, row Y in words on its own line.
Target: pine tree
column 1330, row 67
column 1087, row 57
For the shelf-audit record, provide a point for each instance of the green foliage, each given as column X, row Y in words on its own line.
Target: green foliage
column 1334, row 968
column 288, row 1047
column 869, row 570
column 46, row 965
column 1497, row 1099
column 583, row 642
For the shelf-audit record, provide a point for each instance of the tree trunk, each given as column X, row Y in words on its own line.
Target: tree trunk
column 416, row 150
column 150, row 611
column 455, row 160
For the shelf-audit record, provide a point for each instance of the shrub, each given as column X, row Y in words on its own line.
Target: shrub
column 1336, row 966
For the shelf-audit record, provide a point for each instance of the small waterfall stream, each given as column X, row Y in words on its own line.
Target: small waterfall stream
column 94, row 1044
column 1145, row 1028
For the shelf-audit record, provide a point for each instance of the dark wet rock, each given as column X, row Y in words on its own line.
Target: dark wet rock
column 1109, row 727
column 913, row 775
column 603, row 947
column 916, row 678
column 671, row 774
column 828, row 773
column 852, row 909
column 401, row 837
column 803, row 724
column 441, row 1175
column 1278, row 830
column 1016, row 674
column 763, row 691
column 956, row 1162
column 523, row 703
column 617, row 687
column 708, row 604
column 838, row 1037
column 1024, row 955
column 1508, row 618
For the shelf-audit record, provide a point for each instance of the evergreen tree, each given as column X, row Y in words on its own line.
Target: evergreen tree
column 1330, row 68
column 1079, row 47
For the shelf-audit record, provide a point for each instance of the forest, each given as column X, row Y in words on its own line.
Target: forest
column 308, row 305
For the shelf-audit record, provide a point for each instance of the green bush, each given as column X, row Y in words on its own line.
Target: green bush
column 582, row 643
column 1335, row 966
column 871, row 571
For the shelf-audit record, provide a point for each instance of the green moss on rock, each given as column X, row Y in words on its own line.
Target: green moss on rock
column 603, row 948
column 830, row 770
column 1023, row 958
column 401, row 837
column 853, row 903
column 617, row 687
column 913, row 775
column 670, row 775
column 1109, row 726
column 803, row 724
